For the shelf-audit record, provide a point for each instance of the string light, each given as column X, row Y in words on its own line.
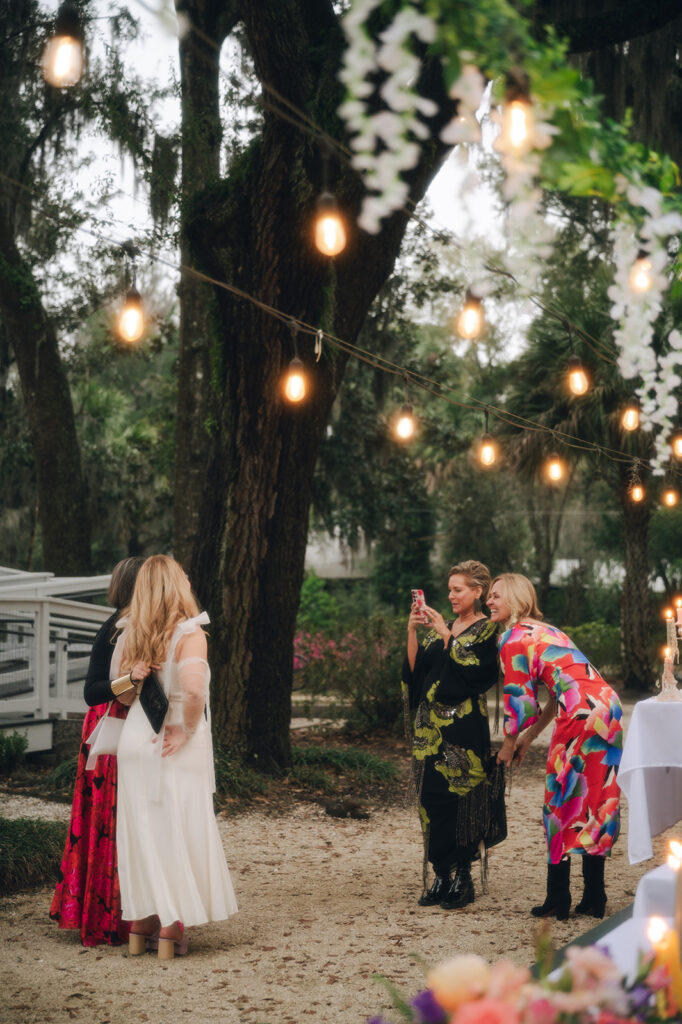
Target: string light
column 676, row 444
column 517, row 114
column 670, row 496
column 629, row 419
column 131, row 318
column 63, row 56
column 640, row 272
column 488, row 447
column 470, row 318
column 578, row 380
column 405, row 426
column 637, row 493
column 555, row 469
column 295, row 383
column 330, row 232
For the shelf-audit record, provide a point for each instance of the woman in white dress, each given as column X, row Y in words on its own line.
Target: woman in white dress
column 171, row 863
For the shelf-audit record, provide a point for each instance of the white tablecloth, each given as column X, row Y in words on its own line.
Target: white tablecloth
column 624, row 943
column 650, row 773
column 655, row 896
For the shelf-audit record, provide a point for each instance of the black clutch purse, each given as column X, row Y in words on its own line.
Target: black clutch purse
column 154, row 701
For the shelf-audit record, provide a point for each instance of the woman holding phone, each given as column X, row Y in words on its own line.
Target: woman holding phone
column 445, row 679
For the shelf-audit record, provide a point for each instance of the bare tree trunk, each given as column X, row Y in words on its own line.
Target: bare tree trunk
column 254, row 231
column 635, row 608
column 62, row 497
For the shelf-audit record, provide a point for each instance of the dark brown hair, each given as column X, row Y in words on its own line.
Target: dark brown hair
column 122, row 582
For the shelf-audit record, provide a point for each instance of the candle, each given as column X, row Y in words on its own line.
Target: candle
column 675, row 862
column 678, row 608
column 667, row 955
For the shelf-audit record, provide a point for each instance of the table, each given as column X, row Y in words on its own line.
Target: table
column 655, row 896
column 650, row 773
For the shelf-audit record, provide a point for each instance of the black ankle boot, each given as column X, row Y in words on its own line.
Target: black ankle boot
column 461, row 892
column 558, row 900
column 438, row 890
column 593, row 902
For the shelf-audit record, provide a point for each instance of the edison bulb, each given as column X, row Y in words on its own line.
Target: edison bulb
column 405, row 425
column 640, row 274
column 487, row 453
column 630, row 418
column 637, row 493
column 470, row 319
column 578, row 381
column 555, row 470
column 330, row 232
column 517, row 122
column 295, row 384
column 131, row 317
column 63, row 61
column 676, row 445
column 670, row 497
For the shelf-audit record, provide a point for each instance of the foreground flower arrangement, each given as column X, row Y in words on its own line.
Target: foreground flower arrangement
column 589, row 988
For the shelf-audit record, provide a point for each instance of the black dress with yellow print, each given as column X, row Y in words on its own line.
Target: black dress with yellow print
column 451, row 740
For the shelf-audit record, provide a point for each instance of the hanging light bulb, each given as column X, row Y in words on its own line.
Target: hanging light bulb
column 629, row 419
column 131, row 317
column 555, row 469
column 295, row 382
column 470, row 318
column 63, row 56
column 488, row 448
column 330, row 232
column 637, row 493
column 640, row 273
column 517, row 115
column 670, row 497
column 578, row 381
column 405, row 426
column 676, row 444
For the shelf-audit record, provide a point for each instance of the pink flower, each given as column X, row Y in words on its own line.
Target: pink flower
column 486, row 1011
column 506, row 978
column 590, row 967
column 541, row 1011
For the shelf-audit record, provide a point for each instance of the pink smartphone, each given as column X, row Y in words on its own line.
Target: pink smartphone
column 418, row 599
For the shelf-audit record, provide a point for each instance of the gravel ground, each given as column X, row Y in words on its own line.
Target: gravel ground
column 324, row 904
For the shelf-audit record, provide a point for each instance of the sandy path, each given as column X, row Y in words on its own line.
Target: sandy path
column 324, row 903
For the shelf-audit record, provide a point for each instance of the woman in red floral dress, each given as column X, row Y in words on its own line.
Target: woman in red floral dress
column 581, row 812
column 87, row 894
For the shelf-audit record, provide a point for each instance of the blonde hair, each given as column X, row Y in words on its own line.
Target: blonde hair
column 161, row 599
column 519, row 593
column 476, row 573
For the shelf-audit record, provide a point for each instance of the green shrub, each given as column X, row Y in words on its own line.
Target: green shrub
column 599, row 642
column 234, row 778
column 12, row 751
column 58, row 784
column 309, row 777
column 30, row 852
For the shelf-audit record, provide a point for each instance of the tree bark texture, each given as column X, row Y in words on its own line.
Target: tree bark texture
column 630, row 51
column 62, row 495
column 254, row 230
column 635, row 609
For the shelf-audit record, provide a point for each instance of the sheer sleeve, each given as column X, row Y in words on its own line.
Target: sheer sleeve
column 193, row 674
column 521, row 707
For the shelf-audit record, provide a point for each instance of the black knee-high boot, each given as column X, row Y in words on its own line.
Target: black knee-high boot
column 594, row 894
column 558, row 900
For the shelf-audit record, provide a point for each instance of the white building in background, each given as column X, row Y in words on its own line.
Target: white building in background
column 331, row 559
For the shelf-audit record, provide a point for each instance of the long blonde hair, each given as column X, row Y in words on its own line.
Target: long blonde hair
column 519, row 593
column 162, row 597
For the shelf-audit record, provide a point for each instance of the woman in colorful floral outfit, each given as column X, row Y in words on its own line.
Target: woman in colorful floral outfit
column 445, row 678
column 581, row 812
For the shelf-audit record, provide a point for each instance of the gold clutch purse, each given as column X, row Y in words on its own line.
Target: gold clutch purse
column 121, row 685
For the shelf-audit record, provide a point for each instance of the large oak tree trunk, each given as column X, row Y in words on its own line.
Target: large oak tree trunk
column 254, row 231
column 62, row 498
